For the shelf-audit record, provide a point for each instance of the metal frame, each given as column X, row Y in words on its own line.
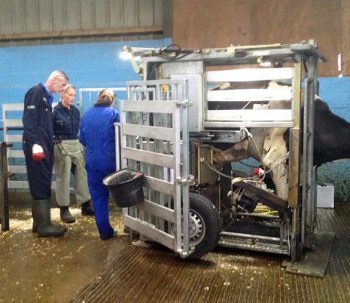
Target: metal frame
column 154, row 139
column 93, row 90
column 295, row 232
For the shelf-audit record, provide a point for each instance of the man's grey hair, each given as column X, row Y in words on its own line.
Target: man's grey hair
column 58, row 74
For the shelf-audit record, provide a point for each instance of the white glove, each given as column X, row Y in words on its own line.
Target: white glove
column 37, row 153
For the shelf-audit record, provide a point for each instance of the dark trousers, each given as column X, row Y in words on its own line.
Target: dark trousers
column 39, row 172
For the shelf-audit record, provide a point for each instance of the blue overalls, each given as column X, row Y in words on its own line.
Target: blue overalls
column 37, row 124
column 97, row 134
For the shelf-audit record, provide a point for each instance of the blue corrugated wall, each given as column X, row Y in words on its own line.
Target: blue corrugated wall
column 87, row 65
column 98, row 65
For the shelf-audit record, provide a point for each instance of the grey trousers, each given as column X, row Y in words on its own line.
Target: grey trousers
column 66, row 153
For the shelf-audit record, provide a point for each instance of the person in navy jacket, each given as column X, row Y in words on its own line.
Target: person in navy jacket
column 68, row 153
column 38, row 150
column 97, row 134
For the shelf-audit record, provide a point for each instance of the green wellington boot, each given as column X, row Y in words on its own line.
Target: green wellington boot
column 66, row 216
column 42, row 220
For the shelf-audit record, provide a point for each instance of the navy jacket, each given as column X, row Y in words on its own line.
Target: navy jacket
column 66, row 122
column 37, row 117
column 97, row 134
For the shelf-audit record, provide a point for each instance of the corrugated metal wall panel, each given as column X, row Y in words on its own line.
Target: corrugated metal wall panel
column 59, row 19
column 102, row 14
column 131, row 17
column 146, row 13
column 73, row 15
column 159, row 11
column 17, row 13
column 5, row 20
column 43, row 21
column 45, row 16
column 32, row 16
column 87, row 10
column 116, row 13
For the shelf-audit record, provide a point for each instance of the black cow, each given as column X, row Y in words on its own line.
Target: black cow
column 331, row 135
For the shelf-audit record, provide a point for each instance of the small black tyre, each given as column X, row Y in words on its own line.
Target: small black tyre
column 204, row 225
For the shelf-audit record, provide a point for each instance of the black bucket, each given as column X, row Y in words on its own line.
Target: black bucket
column 126, row 187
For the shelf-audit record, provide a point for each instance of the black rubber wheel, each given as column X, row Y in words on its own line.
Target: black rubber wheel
column 204, row 225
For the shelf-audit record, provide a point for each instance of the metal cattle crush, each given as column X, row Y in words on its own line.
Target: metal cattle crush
column 179, row 112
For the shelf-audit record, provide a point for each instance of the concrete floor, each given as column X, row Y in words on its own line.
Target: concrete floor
column 81, row 268
column 52, row 269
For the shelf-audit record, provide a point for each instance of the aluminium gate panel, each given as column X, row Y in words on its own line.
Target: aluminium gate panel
column 153, row 129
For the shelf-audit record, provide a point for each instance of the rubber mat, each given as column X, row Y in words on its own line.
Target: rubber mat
column 158, row 275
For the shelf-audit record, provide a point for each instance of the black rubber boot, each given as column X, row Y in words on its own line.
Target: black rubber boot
column 66, row 216
column 42, row 220
column 86, row 209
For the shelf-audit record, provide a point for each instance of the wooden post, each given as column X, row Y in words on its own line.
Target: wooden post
column 4, row 207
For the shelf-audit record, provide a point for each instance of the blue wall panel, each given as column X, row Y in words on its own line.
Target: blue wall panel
column 336, row 92
column 87, row 65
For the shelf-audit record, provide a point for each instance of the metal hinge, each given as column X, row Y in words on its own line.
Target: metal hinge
column 186, row 181
column 184, row 103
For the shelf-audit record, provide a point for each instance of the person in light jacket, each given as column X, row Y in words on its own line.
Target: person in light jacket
column 97, row 134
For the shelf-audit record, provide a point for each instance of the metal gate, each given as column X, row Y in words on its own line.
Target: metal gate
column 154, row 140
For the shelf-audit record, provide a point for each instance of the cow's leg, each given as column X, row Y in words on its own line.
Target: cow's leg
column 276, row 150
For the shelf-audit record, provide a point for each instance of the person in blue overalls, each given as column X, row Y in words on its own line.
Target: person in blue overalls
column 68, row 153
column 97, row 134
column 38, row 150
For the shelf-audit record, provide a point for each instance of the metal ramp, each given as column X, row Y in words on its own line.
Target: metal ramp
column 154, row 140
